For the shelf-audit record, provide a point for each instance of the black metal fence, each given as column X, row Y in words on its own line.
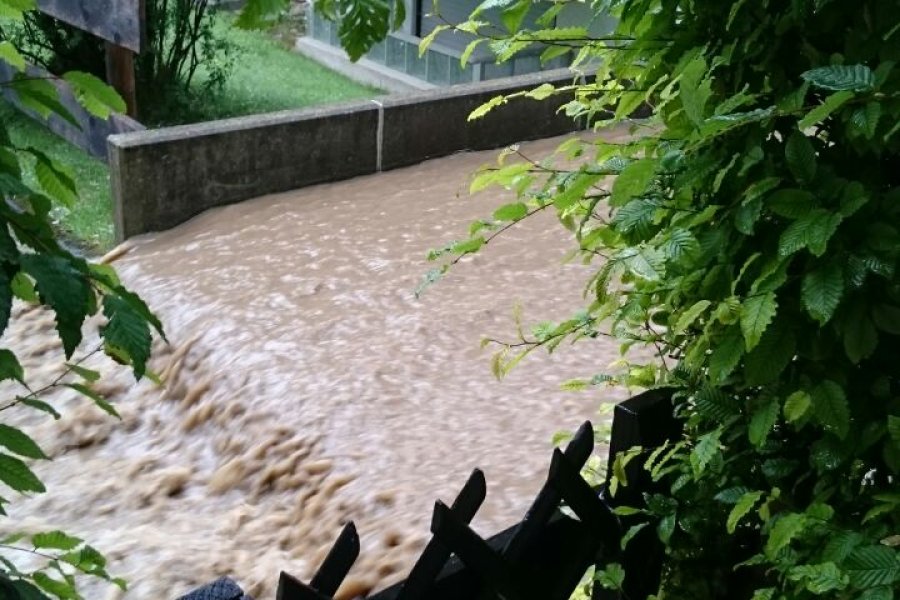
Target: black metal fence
column 544, row 556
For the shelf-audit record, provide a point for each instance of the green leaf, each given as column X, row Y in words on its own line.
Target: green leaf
column 140, row 308
column 611, row 577
column 822, row 291
column 61, row 589
column 860, row 339
column 629, row 534
column 633, row 181
column 99, row 400
column 56, row 540
column 690, row 315
column 747, row 214
column 19, row 443
column 893, row 427
column 542, row 92
column 771, row 356
column 726, row 355
column 10, row 367
column 56, row 181
column 819, row 579
column 257, row 14
column 731, row 495
column 126, row 334
column 17, row 475
column 822, row 111
column 715, row 404
column 764, row 594
column 841, row 77
column 511, row 212
column 840, row 545
column 853, row 198
column 881, row 592
column 887, row 318
column 86, row 559
column 762, row 422
column 486, row 108
column 470, row 48
column 785, row 529
column 791, row 203
column 40, row 96
column 872, row 566
column 65, row 289
column 10, row 55
column 512, row 16
column 695, row 88
column 706, row 448
column 95, row 96
column 830, row 408
column 14, row 9
column 666, row 527
column 364, row 23
column 756, row 314
column 428, row 40
column 645, row 263
column 88, row 375
column 743, row 506
column 796, row 406
column 801, row 157
column 39, row 405
column 468, row 246
column 23, row 288
column 636, row 215
column 813, row 231
column 865, row 119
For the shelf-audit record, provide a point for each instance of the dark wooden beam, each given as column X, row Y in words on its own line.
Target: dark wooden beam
column 116, row 21
column 120, row 75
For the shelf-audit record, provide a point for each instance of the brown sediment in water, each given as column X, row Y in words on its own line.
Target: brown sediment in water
column 305, row 386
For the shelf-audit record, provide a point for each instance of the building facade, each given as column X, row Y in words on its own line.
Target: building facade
column 440, row 64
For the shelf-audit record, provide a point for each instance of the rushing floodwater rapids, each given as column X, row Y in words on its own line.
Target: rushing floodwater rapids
column 305, row 386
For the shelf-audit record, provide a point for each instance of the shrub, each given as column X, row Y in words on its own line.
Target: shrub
column 180, row 38
column 750, row 239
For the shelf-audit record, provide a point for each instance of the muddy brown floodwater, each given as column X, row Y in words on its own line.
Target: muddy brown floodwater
column 306, row 386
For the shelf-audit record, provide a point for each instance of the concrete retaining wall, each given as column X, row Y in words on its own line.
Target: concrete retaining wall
column 163, row 177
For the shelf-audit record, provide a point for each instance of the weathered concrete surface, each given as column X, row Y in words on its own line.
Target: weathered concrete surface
column 91, row 133
column 431, row 124
column 163, row 177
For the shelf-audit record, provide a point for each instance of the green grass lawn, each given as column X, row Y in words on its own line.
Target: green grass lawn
column 266, row 77
column 89, row 222
column 269, row 77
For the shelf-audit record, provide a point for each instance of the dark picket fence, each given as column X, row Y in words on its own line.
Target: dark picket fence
column 544, row 556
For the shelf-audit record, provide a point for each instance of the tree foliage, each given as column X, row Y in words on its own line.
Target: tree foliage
column 36, row 269
column 748, row 234
column 361, row 23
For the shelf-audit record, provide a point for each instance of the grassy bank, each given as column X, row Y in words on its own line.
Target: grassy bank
column 266, row 77
column 89, row 222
